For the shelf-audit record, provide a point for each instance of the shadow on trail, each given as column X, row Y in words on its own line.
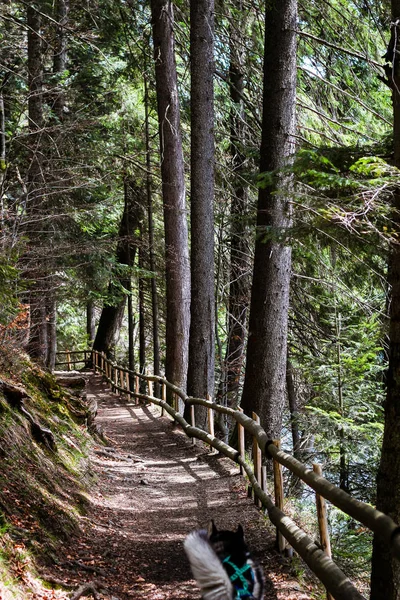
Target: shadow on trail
column 153, row 491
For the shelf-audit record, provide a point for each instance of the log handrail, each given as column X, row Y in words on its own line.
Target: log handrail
column 335, row 581
column 62, row 352
column 71, row 360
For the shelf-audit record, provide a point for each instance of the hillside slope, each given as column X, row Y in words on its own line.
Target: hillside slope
column 44, row 472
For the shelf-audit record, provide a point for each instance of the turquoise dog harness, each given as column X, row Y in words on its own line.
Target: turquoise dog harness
column 243, row 585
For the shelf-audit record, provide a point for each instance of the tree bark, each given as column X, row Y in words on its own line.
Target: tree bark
column 152, row 262
column 131, row 339
column 201, row 341
column 38, row 339
column 385, row 574
column 90, row 322
column 174, row 196
column 112, row 314
column 142, row 322
column 293, row 408
column 239, row 287
column 3, row 163
column 51, row 316
column 264, row 386
column 60, row 54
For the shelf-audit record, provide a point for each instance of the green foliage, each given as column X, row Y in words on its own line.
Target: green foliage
column 352, row 545
column 341, row 362
column 347, row 193
column 344, row 181
column 71, row 333
column 341, row 100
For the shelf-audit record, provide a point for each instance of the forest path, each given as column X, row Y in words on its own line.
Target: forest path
column 152, row 489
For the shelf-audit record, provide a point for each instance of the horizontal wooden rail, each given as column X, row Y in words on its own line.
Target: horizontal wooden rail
column 366, row 514
column 72, row 360
column 72, row 352
column 321, row 564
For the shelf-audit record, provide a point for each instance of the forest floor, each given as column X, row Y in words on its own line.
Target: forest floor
column 152, row 488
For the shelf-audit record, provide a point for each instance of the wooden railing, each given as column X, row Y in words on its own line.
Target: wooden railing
column 72, row 358
column 317, row 556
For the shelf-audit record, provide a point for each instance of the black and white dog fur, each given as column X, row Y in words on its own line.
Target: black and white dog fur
column 222, row 566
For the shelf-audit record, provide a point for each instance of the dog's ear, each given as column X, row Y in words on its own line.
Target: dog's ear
column 240, row 532
column 212, row 529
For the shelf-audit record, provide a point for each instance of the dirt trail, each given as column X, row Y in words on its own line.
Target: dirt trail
column 151, row 490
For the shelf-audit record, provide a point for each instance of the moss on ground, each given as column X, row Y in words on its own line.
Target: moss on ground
column 42, row 492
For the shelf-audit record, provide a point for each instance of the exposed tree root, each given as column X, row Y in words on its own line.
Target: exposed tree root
column 92, row 588
column 15, row 396
column 89, row 568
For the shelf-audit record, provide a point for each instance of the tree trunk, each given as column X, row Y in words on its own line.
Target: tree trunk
column 152, row 263
column 112, row 314
column 142, row 322
column 201, row 342
column 174, row 196
column 3, row 163
column 385, row 575
column 51, row 316
column 264, row 386
column 131, row 339
column 38, row 334
column 38, row 339
column 90, row 322
column 293, row 408
column 239, row 287
column 3, row 159
column 60, row 54
column 343, row 463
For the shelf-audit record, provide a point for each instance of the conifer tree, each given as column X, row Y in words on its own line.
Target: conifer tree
column 265, row 379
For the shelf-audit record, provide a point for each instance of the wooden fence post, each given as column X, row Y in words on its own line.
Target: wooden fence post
column 112, row 377
column 323, row 523
column 264, row 478
column 163, row 396
column 68, row 360
column 193, row 421
column 117, row 391
column 128, row 391
column 241, row 445
column 121, row 382
column 257, row 459
column 210, row 418
column 150, row 387
column 278, row 489
column 136, row 389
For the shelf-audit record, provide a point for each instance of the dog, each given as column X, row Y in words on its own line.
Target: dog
column 222, row 566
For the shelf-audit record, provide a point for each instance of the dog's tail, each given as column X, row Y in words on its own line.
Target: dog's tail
column 207, row 568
